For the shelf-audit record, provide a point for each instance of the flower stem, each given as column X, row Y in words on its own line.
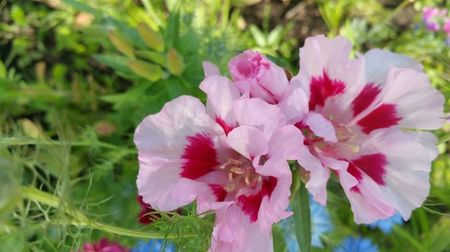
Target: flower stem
column 302, row 215
column 80, row 220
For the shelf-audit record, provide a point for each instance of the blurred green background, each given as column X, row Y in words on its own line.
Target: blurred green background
column 76, row 77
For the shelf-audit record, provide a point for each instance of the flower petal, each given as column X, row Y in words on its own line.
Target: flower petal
column 233, row 232
column 378, row 62
column 220, row 93
column 248, row 141
column 255, row 112
column 210, row 69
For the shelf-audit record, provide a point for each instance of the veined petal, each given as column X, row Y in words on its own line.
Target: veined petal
column 255, row 112
column 165, row 134
column 321, row 127
column 418, row 103
column 221, row 94
column 162, row 140
column 248, row 141
column 378, row 62
column 273, row 207
column 405, row 182
column 234, row 233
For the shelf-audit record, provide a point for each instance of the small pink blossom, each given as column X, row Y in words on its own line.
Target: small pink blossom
column 355, row 124
column 104, row 245
column 432, row 17
column 230, row 158
column 257, row 76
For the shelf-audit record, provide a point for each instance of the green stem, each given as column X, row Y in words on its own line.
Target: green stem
column 302, row 215
column 11, row 141
column 80, row 220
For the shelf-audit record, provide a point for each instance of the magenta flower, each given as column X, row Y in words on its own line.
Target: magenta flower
column 230, row 158
column 359, row 110
column 104, row 245
column 431, row 17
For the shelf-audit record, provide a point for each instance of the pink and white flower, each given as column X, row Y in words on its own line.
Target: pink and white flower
column 355, row 125
column 230, row 158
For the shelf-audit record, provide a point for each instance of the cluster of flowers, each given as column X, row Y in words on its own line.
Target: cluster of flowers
column 338, row 115
column 436, row 19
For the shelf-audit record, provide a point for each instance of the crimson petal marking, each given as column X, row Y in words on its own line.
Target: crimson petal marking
column 322, row 88
column 373, row 165
column 226, row 128
column 384, row 116
column 250, row 204
column 199, row 156
column 365, row 98
column 218, row 191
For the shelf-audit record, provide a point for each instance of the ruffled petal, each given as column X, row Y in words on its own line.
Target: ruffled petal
column 378, row 62
column 248, row 141
column 255, row 112
column 405, row 181
column 221, row 94
column 161, row 140
column 234, row 233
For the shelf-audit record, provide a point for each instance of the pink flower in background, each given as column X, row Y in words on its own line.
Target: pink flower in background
column 230, row 158
column 446, row 27
column 358, row 112
column 431, row 17
column 258, row 77
column 104, row 245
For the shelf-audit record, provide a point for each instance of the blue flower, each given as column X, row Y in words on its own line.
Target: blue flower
column 386, row 225
column 352, row 244
column 153, row 246
column 320, row 221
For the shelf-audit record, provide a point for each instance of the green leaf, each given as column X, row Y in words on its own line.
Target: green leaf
column 175, row 63
column 279, row 244
column 156, row 57
column 121, row 44
column 412, row 241
column 302, row 218
column 258, row 35
column 153, row 39
column 439, row 236
column 83, row 7
column 3, row 71
column 118, row 62
column 275, row 36
column 173, row 29
column 149, row 71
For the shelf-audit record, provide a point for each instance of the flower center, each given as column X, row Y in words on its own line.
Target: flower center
column 344, row 147
column 240, row 174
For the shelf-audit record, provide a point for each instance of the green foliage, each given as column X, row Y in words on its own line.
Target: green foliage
column 77, row 76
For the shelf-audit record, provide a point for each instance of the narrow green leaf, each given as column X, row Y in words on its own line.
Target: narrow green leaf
column 173, row 29
column 175, row 63
column 149, row 71
column 118, row 62
column 302, row 218
column 279, row 244
column 153, row 39
column 156, row 57
column 121, row 44
column 412, row 241
column 83, row 7
column 3, row 71
column 258, row 35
